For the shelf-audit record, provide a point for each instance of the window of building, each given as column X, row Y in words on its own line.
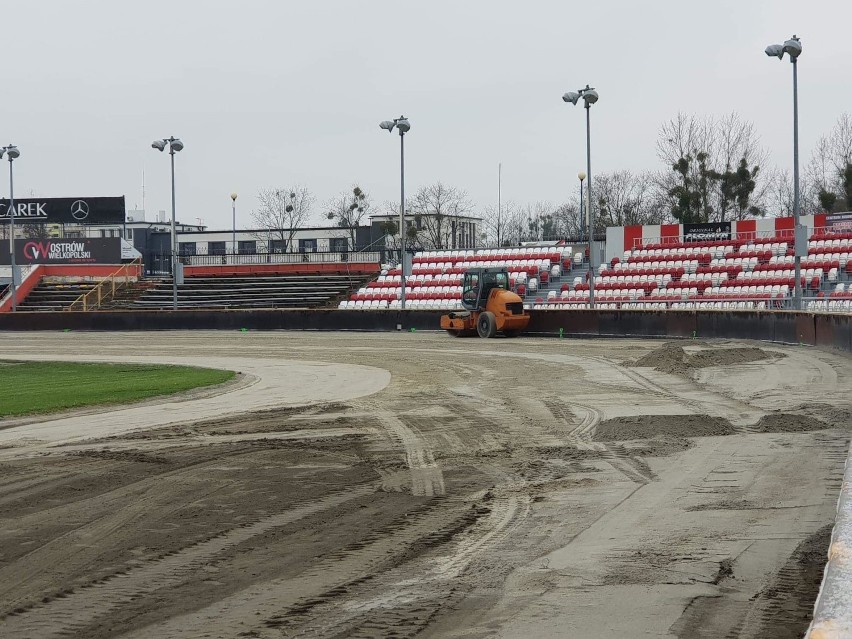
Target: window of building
column 339, row 245
column 278, row 246
column 215, row 248
column 307, row 246
column 186, row 248
column 247, row 247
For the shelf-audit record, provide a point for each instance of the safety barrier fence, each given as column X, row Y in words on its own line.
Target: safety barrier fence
column 833, row 609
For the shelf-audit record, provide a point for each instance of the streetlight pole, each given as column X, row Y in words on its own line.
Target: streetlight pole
column 13, row 153
column 175, row 145
column 174, row 236
column 797, row 211
column 402, row 228
column 589, row 96
column 583, row 227
column 793, row 48
column 499, row 237
column 234, row 227
column 590, row 229
column 404, row 126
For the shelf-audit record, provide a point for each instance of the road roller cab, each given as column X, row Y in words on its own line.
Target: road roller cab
column 489, row 306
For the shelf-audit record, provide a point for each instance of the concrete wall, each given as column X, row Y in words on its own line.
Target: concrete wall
column 825, row 331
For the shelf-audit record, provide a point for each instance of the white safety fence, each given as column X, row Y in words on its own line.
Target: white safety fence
column 833, row 609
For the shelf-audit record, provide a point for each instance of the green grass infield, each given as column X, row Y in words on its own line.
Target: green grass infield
column 44, row 387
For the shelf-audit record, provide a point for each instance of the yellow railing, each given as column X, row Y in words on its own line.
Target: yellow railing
column 106, row 288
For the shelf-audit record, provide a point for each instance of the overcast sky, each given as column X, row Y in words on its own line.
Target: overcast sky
column 273, row 93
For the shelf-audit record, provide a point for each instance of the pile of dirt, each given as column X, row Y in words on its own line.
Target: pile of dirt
column 669, row 358
column 728, row 356
column 672, row 358
column 661, row 446
column 651, row 426
column 834, row 416
column 788, row 423
column 566, row 453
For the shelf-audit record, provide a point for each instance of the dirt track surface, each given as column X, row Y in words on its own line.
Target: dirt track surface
column 402, row 485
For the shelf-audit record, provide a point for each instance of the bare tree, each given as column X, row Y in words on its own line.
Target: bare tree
column 390, row 227
column 434, row 208
column 541, row 222
column 348, row 210
column 841, row 152
column 822, row 174
column 841, row 142
column 282, row 212
column 715, row 166
column 623, row 198
column 685, row 135
column 780, row 196
column 496, row 224
column 569, row 221
column 35, row 231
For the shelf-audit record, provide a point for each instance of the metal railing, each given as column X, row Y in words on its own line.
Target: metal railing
column 106, row 288
column 280, row 258
column 739, row 236
column 646, row 303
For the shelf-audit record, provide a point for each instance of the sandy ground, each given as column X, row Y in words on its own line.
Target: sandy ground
column 401, row 485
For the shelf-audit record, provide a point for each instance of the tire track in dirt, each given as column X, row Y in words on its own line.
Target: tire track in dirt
column 580, row 436
column 282, row 604
column 77, row 610
column 136, row 499
column 426, row 476
column 393, row 604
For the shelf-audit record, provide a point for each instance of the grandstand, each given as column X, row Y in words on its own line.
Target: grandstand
column 249, row 285
column 308, row 290
column 744, row 265
column 751, row 267
column 435, row 280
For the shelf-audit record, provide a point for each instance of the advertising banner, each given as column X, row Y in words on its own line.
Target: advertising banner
column 68, row 251
column 65, row 210
column 839, row 223
column 707, row 232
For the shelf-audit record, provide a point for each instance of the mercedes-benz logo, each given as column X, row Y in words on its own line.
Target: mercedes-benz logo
column 80, row 210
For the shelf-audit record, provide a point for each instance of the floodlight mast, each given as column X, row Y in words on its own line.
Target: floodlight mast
column 590, row 97
column 793, row 48
column 175, row 145
column 234, row 223
column 583, row 222
column 403, row 126
column 12, row 152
